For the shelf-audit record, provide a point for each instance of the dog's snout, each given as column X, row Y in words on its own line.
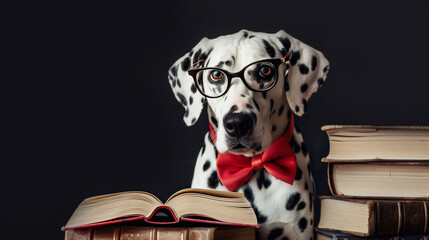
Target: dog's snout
column 237, row 124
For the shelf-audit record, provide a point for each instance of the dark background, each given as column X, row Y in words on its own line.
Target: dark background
column 90, row 110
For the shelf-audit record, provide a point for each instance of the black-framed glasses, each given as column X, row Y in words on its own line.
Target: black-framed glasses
column 259, row 76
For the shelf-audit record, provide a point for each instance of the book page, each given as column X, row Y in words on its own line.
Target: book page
column 111, row 206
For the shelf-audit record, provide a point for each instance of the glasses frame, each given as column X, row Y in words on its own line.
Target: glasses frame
column 194, row 69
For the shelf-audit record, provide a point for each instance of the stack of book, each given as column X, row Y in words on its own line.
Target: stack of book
column 379, row 179
column 194, row 214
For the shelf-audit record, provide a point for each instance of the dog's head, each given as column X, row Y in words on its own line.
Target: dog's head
column 253, row 98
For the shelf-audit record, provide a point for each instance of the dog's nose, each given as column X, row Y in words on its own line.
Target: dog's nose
column 237, row 124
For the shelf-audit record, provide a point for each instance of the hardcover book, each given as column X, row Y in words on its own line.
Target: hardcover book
column 187, row 205
column 329, row 235
column 364, row 217
column 161, row 233
column 379, row 179
column 377, row 143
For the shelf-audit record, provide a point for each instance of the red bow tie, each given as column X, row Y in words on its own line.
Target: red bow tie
column 279, row 160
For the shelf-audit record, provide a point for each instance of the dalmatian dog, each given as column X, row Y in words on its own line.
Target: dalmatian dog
column 284, row 211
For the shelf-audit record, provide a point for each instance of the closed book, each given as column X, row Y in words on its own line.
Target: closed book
column 406, row 180
column 160, row 233
column 369, row 217
column 329, row 235
column 357, row 143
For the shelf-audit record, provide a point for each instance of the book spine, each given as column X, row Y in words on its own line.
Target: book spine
column 331, row 180
column 398, row 218
column 138, row 233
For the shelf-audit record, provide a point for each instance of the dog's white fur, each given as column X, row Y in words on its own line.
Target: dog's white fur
column 284, row 211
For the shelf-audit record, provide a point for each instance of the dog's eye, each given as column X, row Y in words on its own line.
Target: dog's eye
column 265, row 71
column 216, row 75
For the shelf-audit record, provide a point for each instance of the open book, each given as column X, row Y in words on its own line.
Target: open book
column 189, row 205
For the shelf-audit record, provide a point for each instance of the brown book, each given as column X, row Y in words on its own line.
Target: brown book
column 187, row 205
column 160, row 233
column 377, row 143
column 379, row 179
column 329, row 235
column 374, row 217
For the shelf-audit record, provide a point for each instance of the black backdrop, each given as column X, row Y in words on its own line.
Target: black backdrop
column 93, row 112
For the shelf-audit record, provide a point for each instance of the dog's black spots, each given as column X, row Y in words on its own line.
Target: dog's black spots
column 233, row 58
column 259, row 216
column 264, row 95
column 215, row 152
column 281, row 109
column 273, row 128
column 220, row 64
column 256, row 104
column 295, row 57
column 203, row 148
column 251, row 36
column 214, row 121
column 311, row 201
column 293, row 200
column 213, row 180
column 186, row 63
column 302, row 224
column 283, row 52
column 308, row 167
column 200, row 79
column 242, row 95
column 304, row 149
column 210, row 139
column 228, row 63
column 275, row 233
column 173, row 83
column 286, row 44
column 304, row 87
column 173, row 70
column 311, row 222
column 259, row 147
column 313, row 63
column 298, row 174
column 182, row 99
column 190, row 53
column 245, row 34
column 289, row 113
column 301, row 205
column 203, row 100
column 304, row 103
column 306, row 185
column 187, row 112
column 284, row 238
column 193, row 88
column 178, row 83
column 262, row 180
column 196, row 56
column 270, row 50
column 294, row 145
column 303, row 68
column 233, row 109
column 325, row 69
column 249, row 106
column 271, row 104
column 296, row 108
column 287, row 66
column 193, row 120
column 286, row 84
column 248, row 194
column 320, row 82
column 191, row 100
column 206, row 165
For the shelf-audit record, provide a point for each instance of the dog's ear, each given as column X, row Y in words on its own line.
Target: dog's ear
column 308, row 69
column 183, row 84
